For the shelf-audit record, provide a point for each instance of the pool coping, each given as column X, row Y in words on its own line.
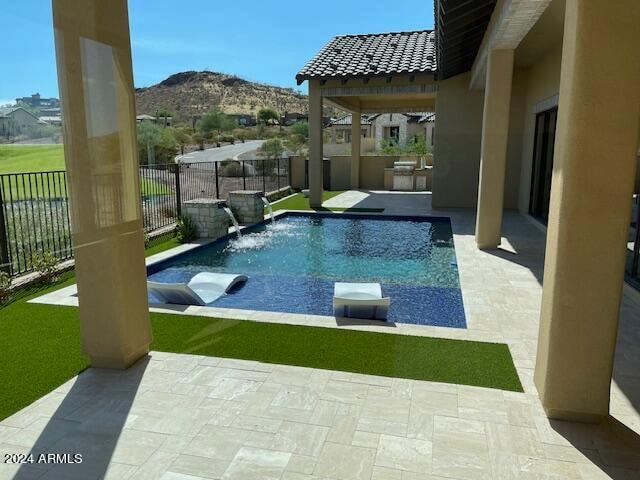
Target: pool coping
column 67, row 296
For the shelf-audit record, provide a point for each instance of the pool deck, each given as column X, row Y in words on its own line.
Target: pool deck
column 186, row 417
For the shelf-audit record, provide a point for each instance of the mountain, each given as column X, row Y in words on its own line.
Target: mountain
column 191, row 93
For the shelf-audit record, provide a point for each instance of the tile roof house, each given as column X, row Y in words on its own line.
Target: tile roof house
column 398, row 127
column 380, row 54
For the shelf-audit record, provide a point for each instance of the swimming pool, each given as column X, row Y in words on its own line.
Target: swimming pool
column 293, row 264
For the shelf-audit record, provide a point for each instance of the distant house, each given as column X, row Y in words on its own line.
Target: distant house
column 38, row 102
column 160, row 120
column 244, row 119
column 16, row 120
column 289, row 118
column 340, row 128
column 387, row 127
column 55, row 120
column 399, row 128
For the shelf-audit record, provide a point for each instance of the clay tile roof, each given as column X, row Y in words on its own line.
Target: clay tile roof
column 379, row 54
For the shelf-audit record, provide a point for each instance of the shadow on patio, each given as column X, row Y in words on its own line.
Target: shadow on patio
column 89, row 420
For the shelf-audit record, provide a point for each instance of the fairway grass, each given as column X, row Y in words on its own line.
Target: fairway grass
column 45, row 158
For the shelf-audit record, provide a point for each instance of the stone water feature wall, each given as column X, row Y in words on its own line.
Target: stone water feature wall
column 247, row 206
column 207, row 213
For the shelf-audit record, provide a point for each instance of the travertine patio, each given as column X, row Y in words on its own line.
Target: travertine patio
column 176, row 416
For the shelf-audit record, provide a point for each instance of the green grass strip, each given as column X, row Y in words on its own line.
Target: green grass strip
column 300, row 202
column 389, row 355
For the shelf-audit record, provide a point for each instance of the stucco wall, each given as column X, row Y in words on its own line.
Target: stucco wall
column 515, row 139
column 542, row 86
column 458, row 132
column 297, row 172
column 340, row 172
column 372, row 170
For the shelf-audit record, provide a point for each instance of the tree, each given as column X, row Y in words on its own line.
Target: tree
column 155, row 144
column 215, row 121
column 267, row 114
column 182, row 136
column 148, row 138
column 272, row 148
column 199, row 139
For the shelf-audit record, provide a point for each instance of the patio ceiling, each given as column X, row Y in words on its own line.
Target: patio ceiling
column 378, row 95
column 460, row 28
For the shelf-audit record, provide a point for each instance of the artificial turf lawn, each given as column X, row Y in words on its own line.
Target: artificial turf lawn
column 300, row 202
column 40, row 348
column 43, row 158
column 390, row 355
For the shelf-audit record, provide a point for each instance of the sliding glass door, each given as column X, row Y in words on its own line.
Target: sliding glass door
column 545, row 136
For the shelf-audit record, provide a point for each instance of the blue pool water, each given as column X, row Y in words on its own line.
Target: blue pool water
column 293, row 264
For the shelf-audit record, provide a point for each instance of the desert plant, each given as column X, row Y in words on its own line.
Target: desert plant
column 272, row 148
column 45, row 264
column 5, row 283
column 187, row 230
column 199, row 138
column 230, row 168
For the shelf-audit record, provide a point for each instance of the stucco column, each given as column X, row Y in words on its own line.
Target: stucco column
column 315, row 144
column 493, row 151
column 593, row 177
column 356, row 131
column 93, row 54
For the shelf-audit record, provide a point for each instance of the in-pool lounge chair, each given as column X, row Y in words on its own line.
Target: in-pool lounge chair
column 202, row 289
column 360, row 300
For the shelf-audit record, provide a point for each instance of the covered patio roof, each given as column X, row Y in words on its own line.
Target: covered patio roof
column 383, row 72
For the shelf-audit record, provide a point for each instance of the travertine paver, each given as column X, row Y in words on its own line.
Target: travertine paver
column 186, row 417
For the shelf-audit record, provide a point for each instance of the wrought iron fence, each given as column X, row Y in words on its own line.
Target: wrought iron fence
column 35, row 214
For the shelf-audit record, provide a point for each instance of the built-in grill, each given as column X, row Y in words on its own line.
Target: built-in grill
column 403, row 172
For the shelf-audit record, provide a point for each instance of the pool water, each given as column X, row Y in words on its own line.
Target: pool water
column 293, row 264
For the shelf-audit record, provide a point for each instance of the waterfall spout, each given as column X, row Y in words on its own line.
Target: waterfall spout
column 266, row 202
column 233, row 219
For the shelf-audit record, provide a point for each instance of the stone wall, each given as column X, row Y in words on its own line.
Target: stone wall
column 247, row 206
column 207, row 213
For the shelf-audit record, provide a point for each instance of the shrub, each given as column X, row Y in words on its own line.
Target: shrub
column 187, row 230
column 5, row 283
column 45, row 264
column 230, row 168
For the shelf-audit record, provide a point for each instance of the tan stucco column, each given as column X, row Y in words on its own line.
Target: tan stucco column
column 593, row 177
column 493, row 151
column 315, row 144
column 356, row 132
column 93, row 54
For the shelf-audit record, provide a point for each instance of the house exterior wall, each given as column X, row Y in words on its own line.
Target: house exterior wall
column 22, row 119
column 542, row 86
column 458, row 131
column 390, row 120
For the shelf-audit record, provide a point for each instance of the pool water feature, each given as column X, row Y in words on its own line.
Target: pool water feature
column 267, row 204
column 293, row 264
column 236, row 225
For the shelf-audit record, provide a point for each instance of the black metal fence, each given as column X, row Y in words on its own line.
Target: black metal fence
column 35, row 215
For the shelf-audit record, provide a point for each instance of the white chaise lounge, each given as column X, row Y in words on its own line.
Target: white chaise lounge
column 360, row 300
column 202, row 289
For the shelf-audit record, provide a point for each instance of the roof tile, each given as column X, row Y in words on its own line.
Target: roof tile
column 373, row 54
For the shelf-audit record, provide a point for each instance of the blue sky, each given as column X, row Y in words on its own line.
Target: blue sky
column 266, row 41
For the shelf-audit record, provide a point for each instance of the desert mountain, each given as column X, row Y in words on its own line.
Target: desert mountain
column 192, row 93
